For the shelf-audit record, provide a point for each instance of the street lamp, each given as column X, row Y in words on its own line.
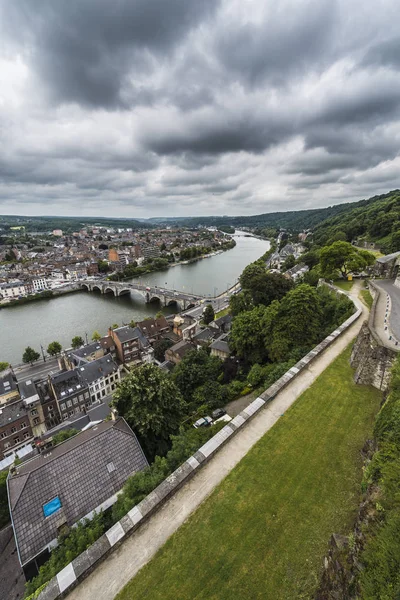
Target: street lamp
column 44, row 357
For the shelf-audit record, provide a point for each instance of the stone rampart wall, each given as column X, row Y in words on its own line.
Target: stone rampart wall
column 86, row 562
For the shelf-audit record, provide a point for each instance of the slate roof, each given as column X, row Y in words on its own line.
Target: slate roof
column 385, row 259
column 7, row 382
column 12, row 412
column 151, row 327
column 181, row 348
column 86, row 350
column 66, row 383
column 83, row 472
column 92, row 371
column 221, row 344
column 204, row 335
column 27, row 389
column 127, row 333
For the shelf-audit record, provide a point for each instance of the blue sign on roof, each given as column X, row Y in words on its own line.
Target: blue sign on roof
column 52, row 506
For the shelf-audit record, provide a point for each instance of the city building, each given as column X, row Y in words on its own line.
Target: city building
column 178, row 351
column 8, row 387
column 100, row 376
column 70, row 392
column 154, row 329
column 131, row 345
column 54, row 490
column 220, row 347
column 15, row 429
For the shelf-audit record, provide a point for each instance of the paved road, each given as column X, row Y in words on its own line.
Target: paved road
column 38, row 370
column 123, row 564
column 394, row 319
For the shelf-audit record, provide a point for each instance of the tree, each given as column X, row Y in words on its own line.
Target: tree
column 297, row 323
column 30, row 355
column 263, row 286
column 344, row 257
column 64, row 435
column 240, row 302
column 103, row 265
column 208, row 314
column 289, row 262
column 194, row 370
column 160, row 348
column 96, row 336
column 54, row 348
column 247, row 335
column 77, row 342
column 4, row 365
column 153, row 406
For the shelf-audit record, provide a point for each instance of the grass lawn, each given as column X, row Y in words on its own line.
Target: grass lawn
column 265, row 529
column 344, row 285
column 366, row 297
column 222, row 313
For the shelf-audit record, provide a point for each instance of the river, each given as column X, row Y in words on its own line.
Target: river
column 44, row 321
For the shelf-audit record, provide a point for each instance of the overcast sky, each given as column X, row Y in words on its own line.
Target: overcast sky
column 195, row 107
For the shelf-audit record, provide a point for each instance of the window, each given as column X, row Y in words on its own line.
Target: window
column 103, row 393
column 26, row 435
column 3, row 435
column 75, row 400
column 36, row 421
column 80, row 397
column 65, row 417
column 17, row 440
column 71, row 413
column 49, row 408
column 52, row 506
column 7, row 445
column 86, row 395
column 23, row 425
column 62, row 406
column 51, row 415
column 34, row 412
column 13, row 429
column 69, row 403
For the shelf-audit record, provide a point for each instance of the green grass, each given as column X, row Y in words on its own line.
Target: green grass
column 265, row 529
column 222, row 313
column 366, row 297
column 344, row 285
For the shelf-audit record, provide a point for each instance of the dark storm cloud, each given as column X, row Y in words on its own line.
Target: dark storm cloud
column 83, row 50
column 196, row 106
column 289, row 38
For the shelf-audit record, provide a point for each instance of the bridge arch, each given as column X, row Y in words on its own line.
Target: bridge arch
column 97, row 287
column 124, row 292
column 109, row 290
column 153, row 298
column 85, row 286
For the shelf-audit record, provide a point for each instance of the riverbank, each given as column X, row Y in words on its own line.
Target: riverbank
column 46, row 295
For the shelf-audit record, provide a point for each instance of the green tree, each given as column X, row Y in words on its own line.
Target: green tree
column 297, row 323
column 4, row 365
column 4, row 511
column 77, row 342
column 208, row 314
column 64, row 435
column 30, row 355
column 263, row 286
column 132, row 323
column 153, row 406
column 289, row 262
column 160, row 348
column 195, row 368
column 104, row 267
column 96, row 336
column 247, row 335
column 344, row 257
column 54, row 348
column 212, row 394
column 240, row 302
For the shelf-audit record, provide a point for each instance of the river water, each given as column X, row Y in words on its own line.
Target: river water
column 42, row 322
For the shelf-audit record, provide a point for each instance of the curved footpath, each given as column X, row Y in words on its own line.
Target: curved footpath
column 113, row 574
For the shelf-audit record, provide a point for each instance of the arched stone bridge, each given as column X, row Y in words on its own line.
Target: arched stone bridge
column 150, row 294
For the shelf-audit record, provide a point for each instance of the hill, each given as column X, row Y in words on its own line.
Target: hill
column 376, row 219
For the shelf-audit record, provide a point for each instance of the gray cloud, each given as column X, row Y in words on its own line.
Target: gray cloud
column 189, row 107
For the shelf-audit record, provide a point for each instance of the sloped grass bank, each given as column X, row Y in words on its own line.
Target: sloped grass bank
column 264, row 531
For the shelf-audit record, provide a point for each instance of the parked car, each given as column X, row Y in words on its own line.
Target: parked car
column 203, row 422
column 217, row 413
column 225, row 418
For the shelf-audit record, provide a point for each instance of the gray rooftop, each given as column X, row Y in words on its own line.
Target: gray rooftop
column 387, row 258
column 12, row 412
column 86, row 351
column 127, row 333
column 92, row 371
column 7, row 382
column 221, row 344
column 83, row 472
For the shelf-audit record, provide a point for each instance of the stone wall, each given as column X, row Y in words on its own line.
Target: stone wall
column 86, row 562
column 371, row 358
